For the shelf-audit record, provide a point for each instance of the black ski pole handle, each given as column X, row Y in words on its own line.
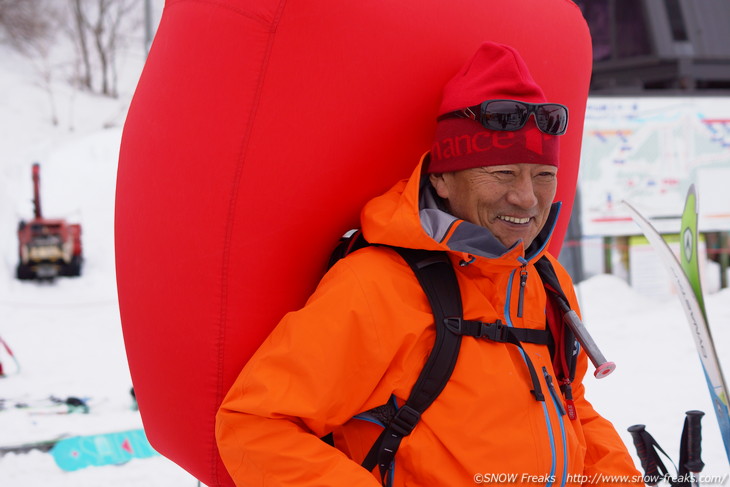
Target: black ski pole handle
column 694, row 441
column 648, row 462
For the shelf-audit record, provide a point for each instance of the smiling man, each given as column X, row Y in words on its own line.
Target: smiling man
column 511, row 201
column 346, row 363
column 495, row 155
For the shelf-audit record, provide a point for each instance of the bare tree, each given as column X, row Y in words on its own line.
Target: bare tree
column 98, row 28
column 32, row 27
column 24, row 23
column 101, row 23
column 79, row 34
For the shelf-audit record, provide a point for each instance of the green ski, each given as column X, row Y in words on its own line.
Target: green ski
column 686, row 277
column 703, row 339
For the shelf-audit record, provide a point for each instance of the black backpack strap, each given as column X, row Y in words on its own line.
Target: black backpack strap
column 550, row 281
column 564, row 349
column 349, row 242
column 436, row 275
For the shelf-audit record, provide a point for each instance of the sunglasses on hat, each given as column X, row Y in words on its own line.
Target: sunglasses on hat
column 509, row 115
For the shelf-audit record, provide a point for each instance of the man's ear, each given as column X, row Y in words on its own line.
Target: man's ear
column 439, row 184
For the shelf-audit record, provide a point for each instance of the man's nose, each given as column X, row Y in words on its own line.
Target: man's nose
column 522, row 192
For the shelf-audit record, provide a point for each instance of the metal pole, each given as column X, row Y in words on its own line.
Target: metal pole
column 147, row 25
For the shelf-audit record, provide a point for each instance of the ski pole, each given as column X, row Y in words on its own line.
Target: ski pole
column 648, row 457
column 690, row 461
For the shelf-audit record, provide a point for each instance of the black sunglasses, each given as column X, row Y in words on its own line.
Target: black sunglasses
column 509, row 115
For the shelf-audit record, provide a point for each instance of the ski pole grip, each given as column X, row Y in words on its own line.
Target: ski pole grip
column 651, row 471
column 603, row 367
column 694, row 441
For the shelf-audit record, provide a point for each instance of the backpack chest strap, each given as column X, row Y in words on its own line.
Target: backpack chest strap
column 497, row 331
column 501, row 333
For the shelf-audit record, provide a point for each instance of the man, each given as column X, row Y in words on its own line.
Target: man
column 484, row 195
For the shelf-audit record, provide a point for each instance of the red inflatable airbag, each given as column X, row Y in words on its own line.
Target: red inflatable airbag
column 257, row 132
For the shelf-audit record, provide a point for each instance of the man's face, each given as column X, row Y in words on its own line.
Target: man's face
column 512, row 201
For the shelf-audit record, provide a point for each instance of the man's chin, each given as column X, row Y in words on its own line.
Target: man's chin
column 511, row 242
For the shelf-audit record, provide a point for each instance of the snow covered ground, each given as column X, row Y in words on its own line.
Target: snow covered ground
column 67, row 334
column 67, row 337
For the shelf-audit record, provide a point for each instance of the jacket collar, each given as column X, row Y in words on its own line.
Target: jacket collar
column 411, row 215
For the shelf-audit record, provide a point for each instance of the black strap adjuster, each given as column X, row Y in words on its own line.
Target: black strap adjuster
column 455, row 325
column 405, row 420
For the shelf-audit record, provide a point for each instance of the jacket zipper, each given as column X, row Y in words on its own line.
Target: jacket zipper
column 548, row 423
column 553, row 393
column 521, row 295
column 558, row 405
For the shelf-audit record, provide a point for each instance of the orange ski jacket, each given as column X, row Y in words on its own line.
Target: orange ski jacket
column 362, row 339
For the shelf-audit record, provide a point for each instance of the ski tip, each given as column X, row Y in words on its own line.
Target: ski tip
column 604, row 370
column 692, row 199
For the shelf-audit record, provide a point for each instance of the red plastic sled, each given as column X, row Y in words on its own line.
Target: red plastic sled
column 257, row 132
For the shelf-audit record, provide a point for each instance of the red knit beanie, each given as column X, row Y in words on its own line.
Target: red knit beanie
column 495, row 72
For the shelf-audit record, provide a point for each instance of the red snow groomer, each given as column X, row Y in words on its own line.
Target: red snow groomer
column 47, row 248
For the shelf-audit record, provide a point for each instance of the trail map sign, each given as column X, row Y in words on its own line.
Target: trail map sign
column 649, row 151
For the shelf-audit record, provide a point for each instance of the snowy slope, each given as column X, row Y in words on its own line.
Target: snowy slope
column 67, row 334
column 659, row 375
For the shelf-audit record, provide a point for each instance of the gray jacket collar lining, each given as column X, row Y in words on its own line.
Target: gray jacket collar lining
column 470, row 238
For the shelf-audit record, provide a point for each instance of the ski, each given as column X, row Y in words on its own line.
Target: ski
column 689, row 261
column 686, row 277
column 101, row 449
column 10, row 354
column 43, row 446
column 49, row 405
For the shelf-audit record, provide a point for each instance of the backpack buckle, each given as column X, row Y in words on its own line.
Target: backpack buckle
column 405, row 420
column 497, row 331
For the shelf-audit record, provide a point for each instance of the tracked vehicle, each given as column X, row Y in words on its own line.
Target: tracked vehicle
column 47, row 247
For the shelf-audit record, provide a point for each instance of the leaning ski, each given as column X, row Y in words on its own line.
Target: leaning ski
column 690, row 296
column 689, row 260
